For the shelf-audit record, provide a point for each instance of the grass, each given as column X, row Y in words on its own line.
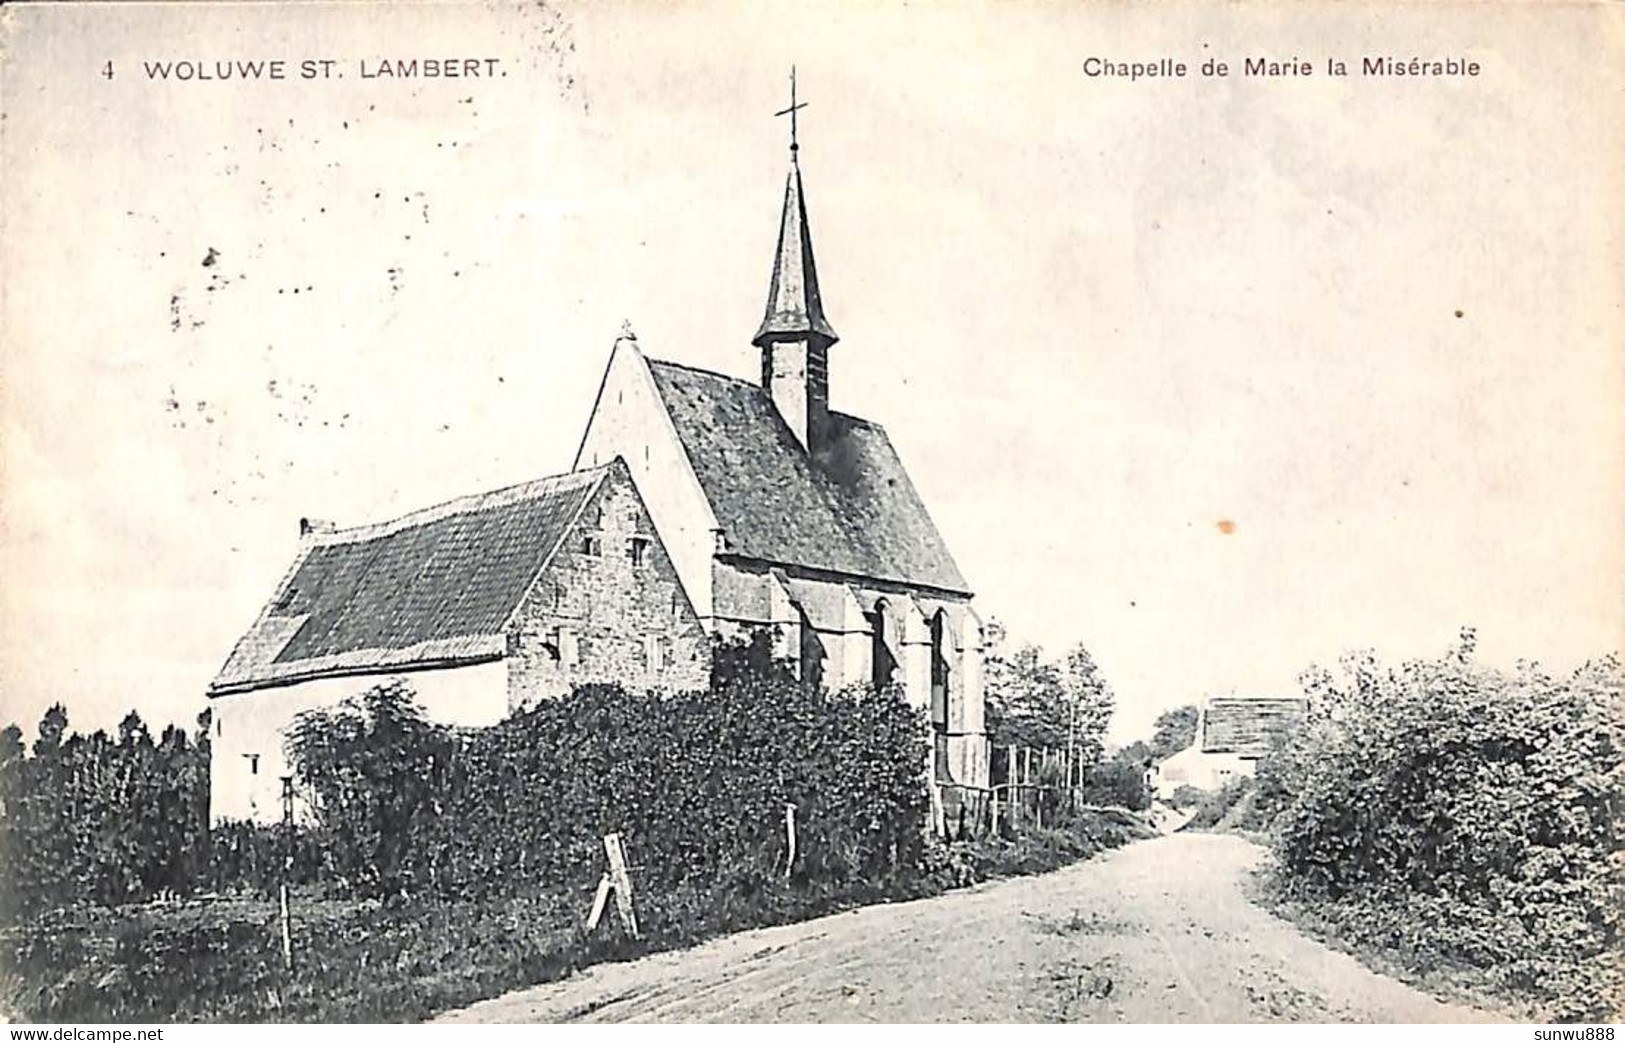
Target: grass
column 1365, row 933
column 219, row 959
column 1452, row 981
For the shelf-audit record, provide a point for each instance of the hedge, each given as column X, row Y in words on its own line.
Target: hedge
column 1462, row 813
column 693, row 781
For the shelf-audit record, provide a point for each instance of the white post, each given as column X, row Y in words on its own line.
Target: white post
column 622, row 881
column 790, row 832
column 287, row 868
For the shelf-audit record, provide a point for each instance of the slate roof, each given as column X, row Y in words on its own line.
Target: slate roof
column 434, row 587
column 1248, row 727
column 795, row 308
column 849, row 508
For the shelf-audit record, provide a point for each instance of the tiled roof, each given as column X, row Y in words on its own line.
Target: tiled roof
column 1248, row 727
column 435, row 586
column 849, row 508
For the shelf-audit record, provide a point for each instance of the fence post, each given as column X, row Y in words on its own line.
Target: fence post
column 600, row 899
column 287, row 869
column 790, row 832
column 622, row 882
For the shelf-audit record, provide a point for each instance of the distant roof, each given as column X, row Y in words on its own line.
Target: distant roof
column 849, row 508
column 434, row 587
column 1248, row 727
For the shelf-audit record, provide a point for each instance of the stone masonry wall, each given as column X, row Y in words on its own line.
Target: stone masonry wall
column 603, row 618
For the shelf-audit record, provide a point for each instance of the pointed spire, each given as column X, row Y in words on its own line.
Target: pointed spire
column 794, row 308
column 795, row 311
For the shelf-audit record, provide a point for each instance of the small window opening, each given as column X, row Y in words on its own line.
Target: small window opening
column 591, row 546
column 637, row 551
column 652, row 653
column 253, row 763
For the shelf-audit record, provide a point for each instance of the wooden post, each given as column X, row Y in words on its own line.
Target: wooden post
column 621, row 880
column 287, row 869
column 790, row 834
column 600, row 900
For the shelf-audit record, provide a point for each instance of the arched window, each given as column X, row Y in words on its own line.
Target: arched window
column 940, row 671
column 882, row 664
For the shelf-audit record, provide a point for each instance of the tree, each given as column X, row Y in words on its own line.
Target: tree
column 1120, row 779
column 52, row 727
column 371, row 768
column 1064, row 705
column 1175, row 730
column 1090, row 703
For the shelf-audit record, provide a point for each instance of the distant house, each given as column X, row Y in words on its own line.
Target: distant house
column 1232, row 734
column 486, row 604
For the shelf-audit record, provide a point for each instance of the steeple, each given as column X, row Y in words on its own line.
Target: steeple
column 795, row 336
column 795, row 310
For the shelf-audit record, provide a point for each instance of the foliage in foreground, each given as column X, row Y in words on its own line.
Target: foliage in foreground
column 402, row 960
column 694, row 783
column 101, row 818
column 1458, row 814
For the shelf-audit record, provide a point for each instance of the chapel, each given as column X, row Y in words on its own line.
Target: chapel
column 782, row 513
column 701, row 506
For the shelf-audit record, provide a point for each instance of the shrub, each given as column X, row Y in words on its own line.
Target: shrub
column 1217, row 807
column 1187, row 796
column 1469, row 814
column 696, row 783
column 1120, row 780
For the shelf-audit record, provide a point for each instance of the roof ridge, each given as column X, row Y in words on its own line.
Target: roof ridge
column 704, row 372
column 461, row 505
column 746, row 382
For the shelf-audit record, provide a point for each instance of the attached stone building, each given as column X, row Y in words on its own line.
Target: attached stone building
column 485, row 604
column 783, row 514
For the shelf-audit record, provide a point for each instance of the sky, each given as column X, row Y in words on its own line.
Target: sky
column 1217, row 377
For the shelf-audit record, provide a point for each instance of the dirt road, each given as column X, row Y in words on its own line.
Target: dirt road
column 1158, row 931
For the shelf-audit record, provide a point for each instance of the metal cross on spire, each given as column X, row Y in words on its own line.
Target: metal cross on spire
column 791, row 111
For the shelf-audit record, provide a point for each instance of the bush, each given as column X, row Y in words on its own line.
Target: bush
column 1187, row 796
column 99, row 818
column 696, row 784
column 1219, row 806
column 1120, row 780
column 1467, row 814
